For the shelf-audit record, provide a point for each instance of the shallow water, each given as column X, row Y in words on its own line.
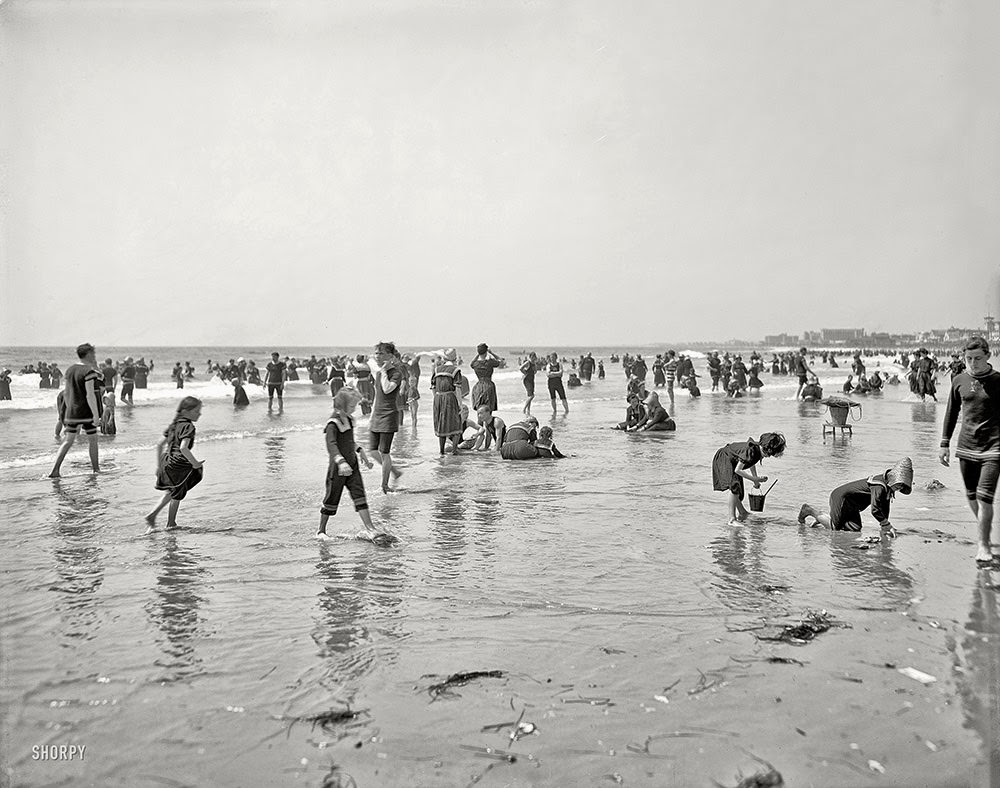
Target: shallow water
column 594, row 583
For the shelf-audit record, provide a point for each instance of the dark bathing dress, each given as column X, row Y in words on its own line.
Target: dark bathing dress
column 485, row 390
column 175, row 473
column 447, row 412
column 519, row 443
column 849, row 500
column 724, row 464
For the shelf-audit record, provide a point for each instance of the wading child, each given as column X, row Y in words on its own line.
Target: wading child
column 738, row 461
column 178, row 470
column 849, row 500
column 343, row 470
column 413, row 399
column 108, row 425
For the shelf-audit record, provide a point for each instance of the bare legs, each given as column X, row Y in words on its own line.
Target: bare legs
column 984, row 516
column 385, row 460
column 171, row 513
column 67, row 445
column 526, row 410
column 364, row 514
column 821, row 517
column 737, row 511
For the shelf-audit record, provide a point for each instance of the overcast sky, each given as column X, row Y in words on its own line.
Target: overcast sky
column 321, row 173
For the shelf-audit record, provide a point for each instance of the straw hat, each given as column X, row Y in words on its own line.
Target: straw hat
column 901, row 473
column 450, row 354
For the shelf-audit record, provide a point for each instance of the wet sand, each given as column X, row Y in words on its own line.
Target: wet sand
column 621, row 609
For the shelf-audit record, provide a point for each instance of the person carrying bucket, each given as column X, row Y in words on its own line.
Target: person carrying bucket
column 738, row 461
column 849, row 500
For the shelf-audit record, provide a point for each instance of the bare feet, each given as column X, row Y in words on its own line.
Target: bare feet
column 983, row 555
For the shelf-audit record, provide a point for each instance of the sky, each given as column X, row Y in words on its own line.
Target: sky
column 441, row 172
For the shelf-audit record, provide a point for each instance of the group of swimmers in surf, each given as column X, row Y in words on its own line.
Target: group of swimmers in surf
column 89, row 396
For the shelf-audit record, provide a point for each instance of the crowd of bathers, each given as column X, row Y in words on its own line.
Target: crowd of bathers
column 389, row 383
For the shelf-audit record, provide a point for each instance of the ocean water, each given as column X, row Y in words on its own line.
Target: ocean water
column 621, row 610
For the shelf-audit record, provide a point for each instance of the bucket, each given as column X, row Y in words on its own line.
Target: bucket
column 839, row 414
column 756, row 499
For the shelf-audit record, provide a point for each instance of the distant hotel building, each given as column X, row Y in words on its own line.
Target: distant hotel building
column 780, row 340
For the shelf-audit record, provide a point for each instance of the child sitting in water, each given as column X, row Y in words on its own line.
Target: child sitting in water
column 108, row 425
column 634, row 414
column 545, row 446
column 343, row 471
column 178, row 470
column 491, row 428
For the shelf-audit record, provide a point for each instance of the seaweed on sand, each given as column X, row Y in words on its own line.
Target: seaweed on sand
column 327, row 720
column 443, row 688
column 814, row 623
column 769, row 777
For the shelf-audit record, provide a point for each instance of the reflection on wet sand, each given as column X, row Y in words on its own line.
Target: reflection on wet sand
column 874, row 568
column 356, row 589
column 274, row 453
column 979, row 679
column 740, row 556
column 449, row 532
column 79, row 558
column 174, row 608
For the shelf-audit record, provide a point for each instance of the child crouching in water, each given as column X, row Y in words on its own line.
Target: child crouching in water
column 178, row 470
column 343, row 470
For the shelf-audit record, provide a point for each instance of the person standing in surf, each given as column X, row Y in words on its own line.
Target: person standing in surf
column 803, row 370
column 976, row 394
column 178, row 470
column 343, row 470
column 83, row 406
column 276, row 375
column 385, row 411
column 485, row 390
column 129, row 379
column 738, row 461
column 446, row 380
column 528, row 370
column 555, row 373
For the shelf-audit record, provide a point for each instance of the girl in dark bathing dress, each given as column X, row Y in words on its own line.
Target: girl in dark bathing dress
column 738, row 461
column 656, row 419
column 343, row 471
column 178, row 470
column 849, row 500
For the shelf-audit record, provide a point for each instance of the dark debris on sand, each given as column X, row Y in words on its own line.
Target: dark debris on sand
column 443, row 688
column 814, row 623
column 327, row 720
column 768, row 777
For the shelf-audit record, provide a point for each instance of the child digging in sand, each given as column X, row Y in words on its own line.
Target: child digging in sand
column 178, row 470
column 738, row 461
column 849, row 500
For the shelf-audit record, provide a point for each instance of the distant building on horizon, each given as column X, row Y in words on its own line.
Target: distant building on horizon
column 781, row 339
column 841, row 334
